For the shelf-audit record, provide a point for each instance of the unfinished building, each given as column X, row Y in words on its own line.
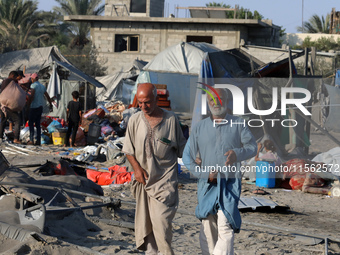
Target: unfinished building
column 136, row 29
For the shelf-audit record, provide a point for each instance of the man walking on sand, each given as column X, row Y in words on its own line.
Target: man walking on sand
column 213, row 154
column 153, row 142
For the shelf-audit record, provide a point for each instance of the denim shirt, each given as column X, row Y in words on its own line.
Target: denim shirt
column 38, row 99
column 210, row 143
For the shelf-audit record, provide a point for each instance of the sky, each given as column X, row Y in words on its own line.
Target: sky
column 285, row 13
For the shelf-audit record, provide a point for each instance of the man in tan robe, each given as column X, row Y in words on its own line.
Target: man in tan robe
column 153, row 142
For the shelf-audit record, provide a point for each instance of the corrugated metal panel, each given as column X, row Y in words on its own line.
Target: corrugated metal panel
column 255, row 202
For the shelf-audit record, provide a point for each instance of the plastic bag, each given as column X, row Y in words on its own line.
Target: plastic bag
column 53, row 126
column 45, row 139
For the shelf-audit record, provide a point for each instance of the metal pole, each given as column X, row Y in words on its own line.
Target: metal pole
column 39, row 186
column 303, row 30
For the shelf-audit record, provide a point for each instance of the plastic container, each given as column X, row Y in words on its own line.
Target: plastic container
column 58, row 141
column 265, row 174
column 58, row 138
column 94, row 133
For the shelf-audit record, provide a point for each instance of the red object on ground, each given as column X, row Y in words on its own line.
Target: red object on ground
column 101, row 178
column 46, row 120
column 121, row 175
column 64, row 169
column 117, row 175
column 300, row 173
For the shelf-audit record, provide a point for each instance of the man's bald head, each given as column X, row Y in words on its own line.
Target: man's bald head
column 147, row 97
column 147, row 89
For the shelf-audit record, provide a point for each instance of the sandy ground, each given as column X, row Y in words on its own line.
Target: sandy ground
column 85, row 233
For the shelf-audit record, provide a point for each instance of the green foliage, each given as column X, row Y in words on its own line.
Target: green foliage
column 321, row 44
column 61, row 34
column 22, row 26
column 282, row 31
column 86, row 59
column 214, row 4
column 241, row 13
column 79, row 30
column 315, row 24
column 324, row 65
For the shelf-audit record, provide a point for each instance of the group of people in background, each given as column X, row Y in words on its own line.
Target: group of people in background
column 31, row 109
column 17, row 113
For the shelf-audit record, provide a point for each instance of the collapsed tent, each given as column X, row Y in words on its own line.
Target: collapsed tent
column 119, row 86
column 57, row 72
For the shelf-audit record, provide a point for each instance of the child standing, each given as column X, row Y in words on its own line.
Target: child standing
column 73, row 118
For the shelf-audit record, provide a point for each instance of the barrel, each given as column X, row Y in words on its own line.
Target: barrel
column 265, row 174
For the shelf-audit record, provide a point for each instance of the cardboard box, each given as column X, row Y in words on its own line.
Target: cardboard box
column 58, row 135
column 161, row 86
column 58, row 138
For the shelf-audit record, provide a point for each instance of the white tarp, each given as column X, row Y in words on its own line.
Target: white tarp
column 119, row 86
column 331, row 158
column 33, row 59
column 180, row 58
column 36, row 60
column 53, row 88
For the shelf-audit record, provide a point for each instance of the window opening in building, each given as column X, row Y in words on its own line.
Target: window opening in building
column 138, row 6
column 126, row 43
column 193, row 38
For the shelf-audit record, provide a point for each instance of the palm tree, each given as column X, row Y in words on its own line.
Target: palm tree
column 80, row 30
column 60, row 33
column 21, row 26
column 316, row 25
